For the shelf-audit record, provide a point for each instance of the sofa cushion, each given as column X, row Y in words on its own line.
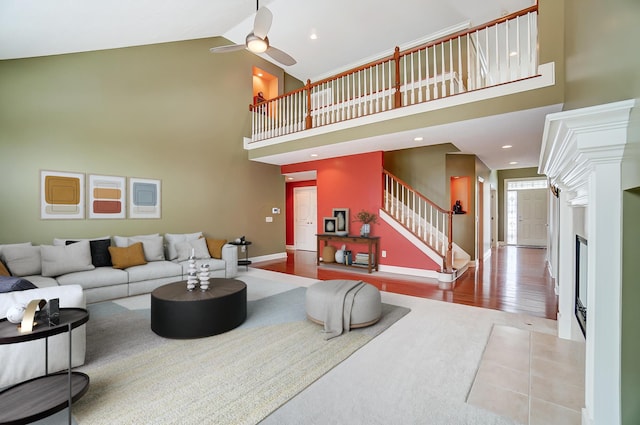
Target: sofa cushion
column 22, row 260
column 10, row 245
column 100, row 256
column 41, row 281
column 12, row 283
column 215, row 247
column 63, row 241
column 57, row 260
column 129, row 256
column 155, row 270
column 172, row 239
column 100, row 277
column 123, row 241
column 153, row 247
column 197, row 246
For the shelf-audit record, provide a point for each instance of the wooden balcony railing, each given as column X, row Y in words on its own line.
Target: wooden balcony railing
column 420, row 216
column 501, row 51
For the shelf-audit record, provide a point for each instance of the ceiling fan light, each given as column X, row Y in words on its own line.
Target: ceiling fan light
column 257, row 45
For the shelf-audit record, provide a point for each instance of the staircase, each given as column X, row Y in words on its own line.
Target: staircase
column 423, row 223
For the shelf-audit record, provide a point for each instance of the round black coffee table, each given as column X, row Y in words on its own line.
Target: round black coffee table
column 181, row 314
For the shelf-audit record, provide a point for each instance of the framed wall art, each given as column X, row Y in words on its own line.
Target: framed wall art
column 106, row 196
column 144, row 198
column 61, row 195
column 342, row 220
column 329, row 225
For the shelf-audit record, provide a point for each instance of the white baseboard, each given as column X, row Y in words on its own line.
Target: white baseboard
column 290, row 247
column 276, row 256
column 433, row 274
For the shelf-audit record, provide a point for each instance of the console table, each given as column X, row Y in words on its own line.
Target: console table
column 40, row 397
column 372, row 242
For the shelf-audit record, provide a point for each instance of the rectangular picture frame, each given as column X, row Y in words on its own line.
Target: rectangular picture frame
column 145, row 198
column 342, row 220
column 329, row 225
column 106, row 196
column 62, row 195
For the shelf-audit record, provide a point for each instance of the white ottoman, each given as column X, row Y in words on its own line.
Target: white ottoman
column 366, row 310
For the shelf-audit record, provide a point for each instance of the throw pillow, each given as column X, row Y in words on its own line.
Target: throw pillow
column 59, row 260
column 175, row 238
column 11, row 245
column 199, row 247
column 100, row 256
column 129, row 256
column 63, row 241
column 123, row 241
column 215, row 247
column 12, row 283
column 3, row 270
column 22, row 260
column 153, row 246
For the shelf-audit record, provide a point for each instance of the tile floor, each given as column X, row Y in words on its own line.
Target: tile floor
column 530, row 377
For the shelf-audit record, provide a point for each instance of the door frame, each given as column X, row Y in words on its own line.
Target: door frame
column 505, row 221
column 295, row 191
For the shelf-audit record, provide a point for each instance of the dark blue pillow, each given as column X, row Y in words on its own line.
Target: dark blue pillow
column 100, row 256
column 13, row 283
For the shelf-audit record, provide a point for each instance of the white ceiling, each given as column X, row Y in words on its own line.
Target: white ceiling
column 349, row 33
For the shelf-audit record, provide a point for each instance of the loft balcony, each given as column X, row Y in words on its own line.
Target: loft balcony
column 451, row 79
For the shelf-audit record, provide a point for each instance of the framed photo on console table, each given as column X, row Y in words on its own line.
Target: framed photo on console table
column 329, row 225
column 342, row 220
column 144, row 198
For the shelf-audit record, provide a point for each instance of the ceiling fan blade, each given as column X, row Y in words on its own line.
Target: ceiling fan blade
column 225, row 49
column 262, row 22
column 280, row 56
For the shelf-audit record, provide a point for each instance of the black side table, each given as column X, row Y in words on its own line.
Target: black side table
column 245, row 248
column 40, row 397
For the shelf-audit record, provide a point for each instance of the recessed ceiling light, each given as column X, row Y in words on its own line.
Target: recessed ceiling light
column 513, row 54
column 289, row 178
column 513, row 162
column 506, row 146
column 313, row 155
column 313, row 36
column 259, row 74
column 418, row 139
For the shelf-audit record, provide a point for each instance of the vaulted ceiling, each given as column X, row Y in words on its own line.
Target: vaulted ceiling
column 348, row 32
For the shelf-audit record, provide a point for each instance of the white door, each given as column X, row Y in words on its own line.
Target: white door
column 532, row 217
column 304, row 216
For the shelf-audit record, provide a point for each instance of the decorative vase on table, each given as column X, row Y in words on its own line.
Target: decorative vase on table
column 204, row 277
column 340, row 255
column 192, row 274
column 365, row 230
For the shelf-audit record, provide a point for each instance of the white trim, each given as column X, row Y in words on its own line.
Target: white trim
column 268, row 257
column 432, row 274
column 290, row 247
column 413, row 239
column 582, row 151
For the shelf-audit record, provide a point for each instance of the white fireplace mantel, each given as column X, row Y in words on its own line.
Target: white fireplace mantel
column 582, row 152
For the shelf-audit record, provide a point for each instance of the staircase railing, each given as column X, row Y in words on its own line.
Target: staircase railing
column 501, row 51
column 420, row 216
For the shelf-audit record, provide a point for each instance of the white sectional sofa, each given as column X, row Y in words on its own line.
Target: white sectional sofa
column 76, row 262
column 79, row 271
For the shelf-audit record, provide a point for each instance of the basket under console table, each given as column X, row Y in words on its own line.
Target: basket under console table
column 372, row 242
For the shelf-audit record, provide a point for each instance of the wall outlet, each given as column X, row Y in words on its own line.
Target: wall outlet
column 384, row 254
column 268, row 219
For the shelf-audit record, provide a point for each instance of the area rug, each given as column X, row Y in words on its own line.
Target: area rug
column 238, row 377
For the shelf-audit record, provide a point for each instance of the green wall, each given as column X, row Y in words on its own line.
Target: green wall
column 518, row 173
column 169, row 111
column 424, row 169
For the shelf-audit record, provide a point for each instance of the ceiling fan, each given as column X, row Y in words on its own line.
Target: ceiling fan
column 257, row 40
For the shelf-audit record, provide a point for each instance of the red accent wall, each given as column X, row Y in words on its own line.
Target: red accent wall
column 356, row 182
column 288, row 208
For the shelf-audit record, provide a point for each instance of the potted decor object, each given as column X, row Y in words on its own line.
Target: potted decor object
column 366, row 218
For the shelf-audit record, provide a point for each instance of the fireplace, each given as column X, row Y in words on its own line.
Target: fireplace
column 581, row 283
